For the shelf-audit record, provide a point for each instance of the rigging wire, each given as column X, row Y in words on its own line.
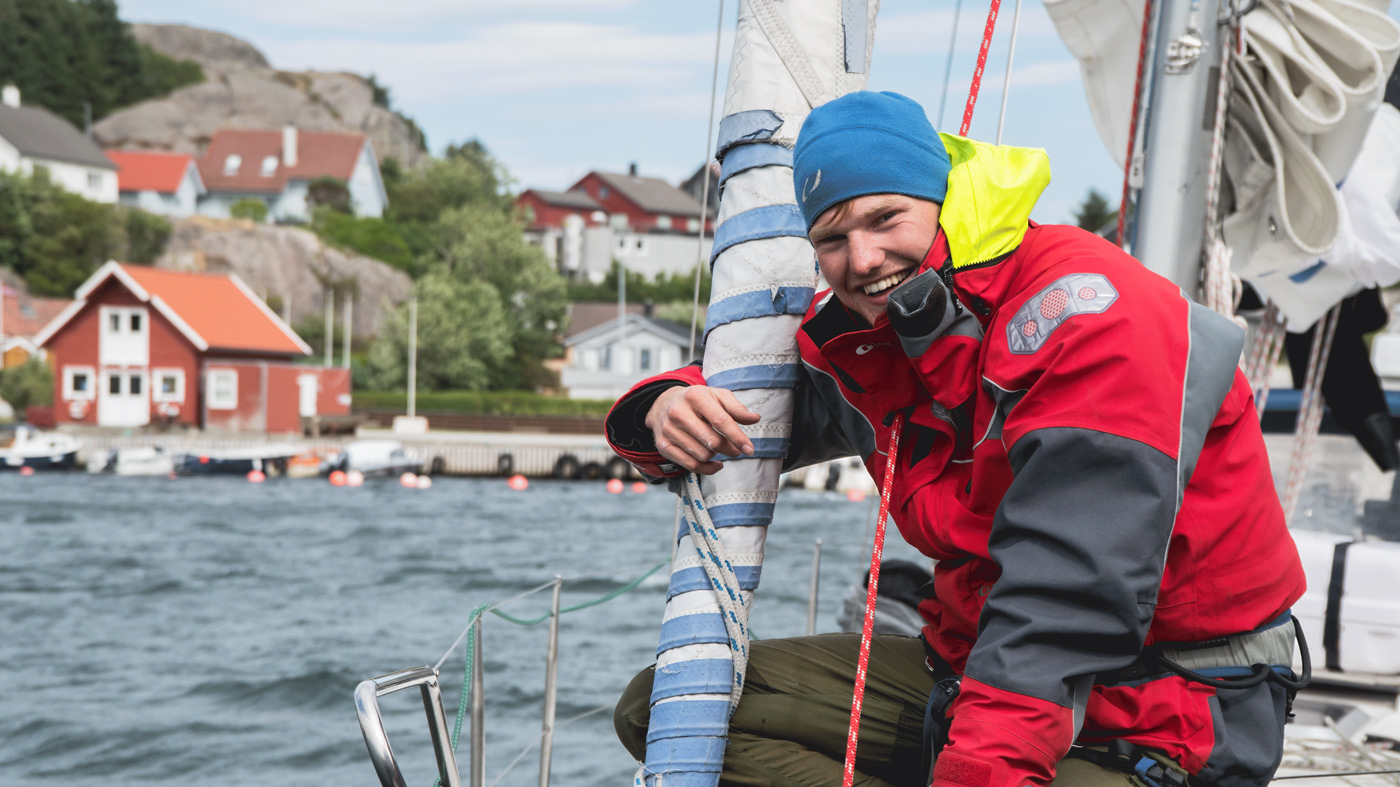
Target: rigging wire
column 1147, row 10
column 948, row 68
column 705, row 193
column 1006, row 81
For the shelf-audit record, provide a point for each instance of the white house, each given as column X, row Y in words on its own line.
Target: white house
column 34, row 139
column 277, row 167
column 605, row 360
column 164, row 183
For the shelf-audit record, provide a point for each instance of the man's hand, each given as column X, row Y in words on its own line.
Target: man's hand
column 695, row 423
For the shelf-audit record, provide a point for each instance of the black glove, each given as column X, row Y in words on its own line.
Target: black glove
column 920, row 309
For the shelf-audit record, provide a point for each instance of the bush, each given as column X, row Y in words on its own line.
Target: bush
column 29, row 383
column 371, row 237
column 165, row 75
column 328, row 192
column 146, row 236
column 249, row 208
column 482, row 403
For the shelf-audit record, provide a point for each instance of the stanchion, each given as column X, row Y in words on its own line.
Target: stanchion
column 551, row 671
column 812, row 594
column 478, row 712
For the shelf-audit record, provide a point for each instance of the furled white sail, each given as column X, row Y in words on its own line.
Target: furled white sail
column 787, row 59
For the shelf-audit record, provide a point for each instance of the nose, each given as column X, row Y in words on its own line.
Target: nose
column 866, row 256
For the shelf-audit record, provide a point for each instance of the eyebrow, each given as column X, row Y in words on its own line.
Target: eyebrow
column 821, row 232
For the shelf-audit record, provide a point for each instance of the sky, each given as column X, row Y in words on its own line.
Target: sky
column 558, row 88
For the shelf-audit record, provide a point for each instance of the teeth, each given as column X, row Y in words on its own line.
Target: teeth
column 885, row 283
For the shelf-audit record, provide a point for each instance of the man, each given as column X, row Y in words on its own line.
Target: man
column 1081, row 456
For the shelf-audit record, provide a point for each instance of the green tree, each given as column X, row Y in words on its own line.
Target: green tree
column 481, row 243
column 463, row 337
column 29, row 383
column 55, row 240
column 74, row 56
column 418, row 197
column 369, row 236
column 1094, row 212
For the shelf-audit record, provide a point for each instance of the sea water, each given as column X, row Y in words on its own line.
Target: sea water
column 209, row 631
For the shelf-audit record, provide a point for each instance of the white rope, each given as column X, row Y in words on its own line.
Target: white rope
column 1264, row 348
column 948, row 69
column 1006, row 83
column 725, row 582
column 1309, row 410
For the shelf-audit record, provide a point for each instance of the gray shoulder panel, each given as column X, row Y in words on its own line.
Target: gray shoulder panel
column 1216, row 343
column 1077, row 293
column 824, row 425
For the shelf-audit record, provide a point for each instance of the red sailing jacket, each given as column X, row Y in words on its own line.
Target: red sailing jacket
column 1084, row 462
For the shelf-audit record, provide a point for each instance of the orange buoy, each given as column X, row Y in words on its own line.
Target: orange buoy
column 425, row 482
column 354, row 478
column 639, row 487
column 855, row 495
column 518, row 482
column 615, row 486
column 337, row 478
column 256, row 476
column 409, row 480
column 26, row 470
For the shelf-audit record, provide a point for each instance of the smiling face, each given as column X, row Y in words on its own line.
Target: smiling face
column 867, row 245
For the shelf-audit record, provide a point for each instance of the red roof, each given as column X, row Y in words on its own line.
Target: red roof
column 212, row 311
column 220, row 309
column 319, row 154
column 26, row 316
column 160, row 172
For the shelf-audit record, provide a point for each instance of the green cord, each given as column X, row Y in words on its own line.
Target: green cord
column 471, row 642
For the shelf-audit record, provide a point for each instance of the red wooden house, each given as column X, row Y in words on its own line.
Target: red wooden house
column 142, row 345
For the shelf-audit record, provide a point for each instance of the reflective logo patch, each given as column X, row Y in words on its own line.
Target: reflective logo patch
column 1078, row 293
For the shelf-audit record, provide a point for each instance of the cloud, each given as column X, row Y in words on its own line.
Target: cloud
column 514, row 58
column 928, row 32
column 375, row 16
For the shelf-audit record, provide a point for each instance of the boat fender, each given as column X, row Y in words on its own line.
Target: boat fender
column 505, row 464
column 619, row 468
column 593, row 471
column 566, row 467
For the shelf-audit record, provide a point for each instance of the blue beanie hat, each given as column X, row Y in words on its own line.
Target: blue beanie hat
column 867, row 143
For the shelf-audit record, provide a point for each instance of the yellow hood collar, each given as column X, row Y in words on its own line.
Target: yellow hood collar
column 991, row 191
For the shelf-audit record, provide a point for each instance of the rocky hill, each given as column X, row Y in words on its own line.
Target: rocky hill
column 244, row 91
column 289, row 267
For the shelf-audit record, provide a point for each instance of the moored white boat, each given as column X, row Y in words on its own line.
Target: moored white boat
column 374, row 458
column 29, row 447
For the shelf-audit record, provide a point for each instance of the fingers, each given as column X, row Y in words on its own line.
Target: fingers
column 718, row 412
column 692, row 425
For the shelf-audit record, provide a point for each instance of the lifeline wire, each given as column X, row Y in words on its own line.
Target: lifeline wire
column 870, row 596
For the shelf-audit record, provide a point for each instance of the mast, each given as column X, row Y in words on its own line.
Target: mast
column 787, row 59
column 1180, row 116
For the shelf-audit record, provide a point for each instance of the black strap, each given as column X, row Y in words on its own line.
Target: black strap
column 1332, row 625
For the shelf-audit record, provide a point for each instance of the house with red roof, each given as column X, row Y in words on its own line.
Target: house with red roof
column 277, row 167
column 142, row 345
column 22, row 317
column 164, row 183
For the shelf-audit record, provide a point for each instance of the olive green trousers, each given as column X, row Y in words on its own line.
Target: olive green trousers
column 791, row 724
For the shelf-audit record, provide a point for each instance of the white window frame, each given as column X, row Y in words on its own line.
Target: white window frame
column 212, row 400
column 69, row 372
column 269, row 166
column 94, row 180
column 663, row 221
column 159, row 396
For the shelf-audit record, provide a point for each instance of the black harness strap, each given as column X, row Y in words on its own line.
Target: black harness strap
column 1332, row 625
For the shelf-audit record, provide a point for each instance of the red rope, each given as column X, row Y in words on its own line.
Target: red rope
column 867, row 629
column 981, row 65
column 1133, row 121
